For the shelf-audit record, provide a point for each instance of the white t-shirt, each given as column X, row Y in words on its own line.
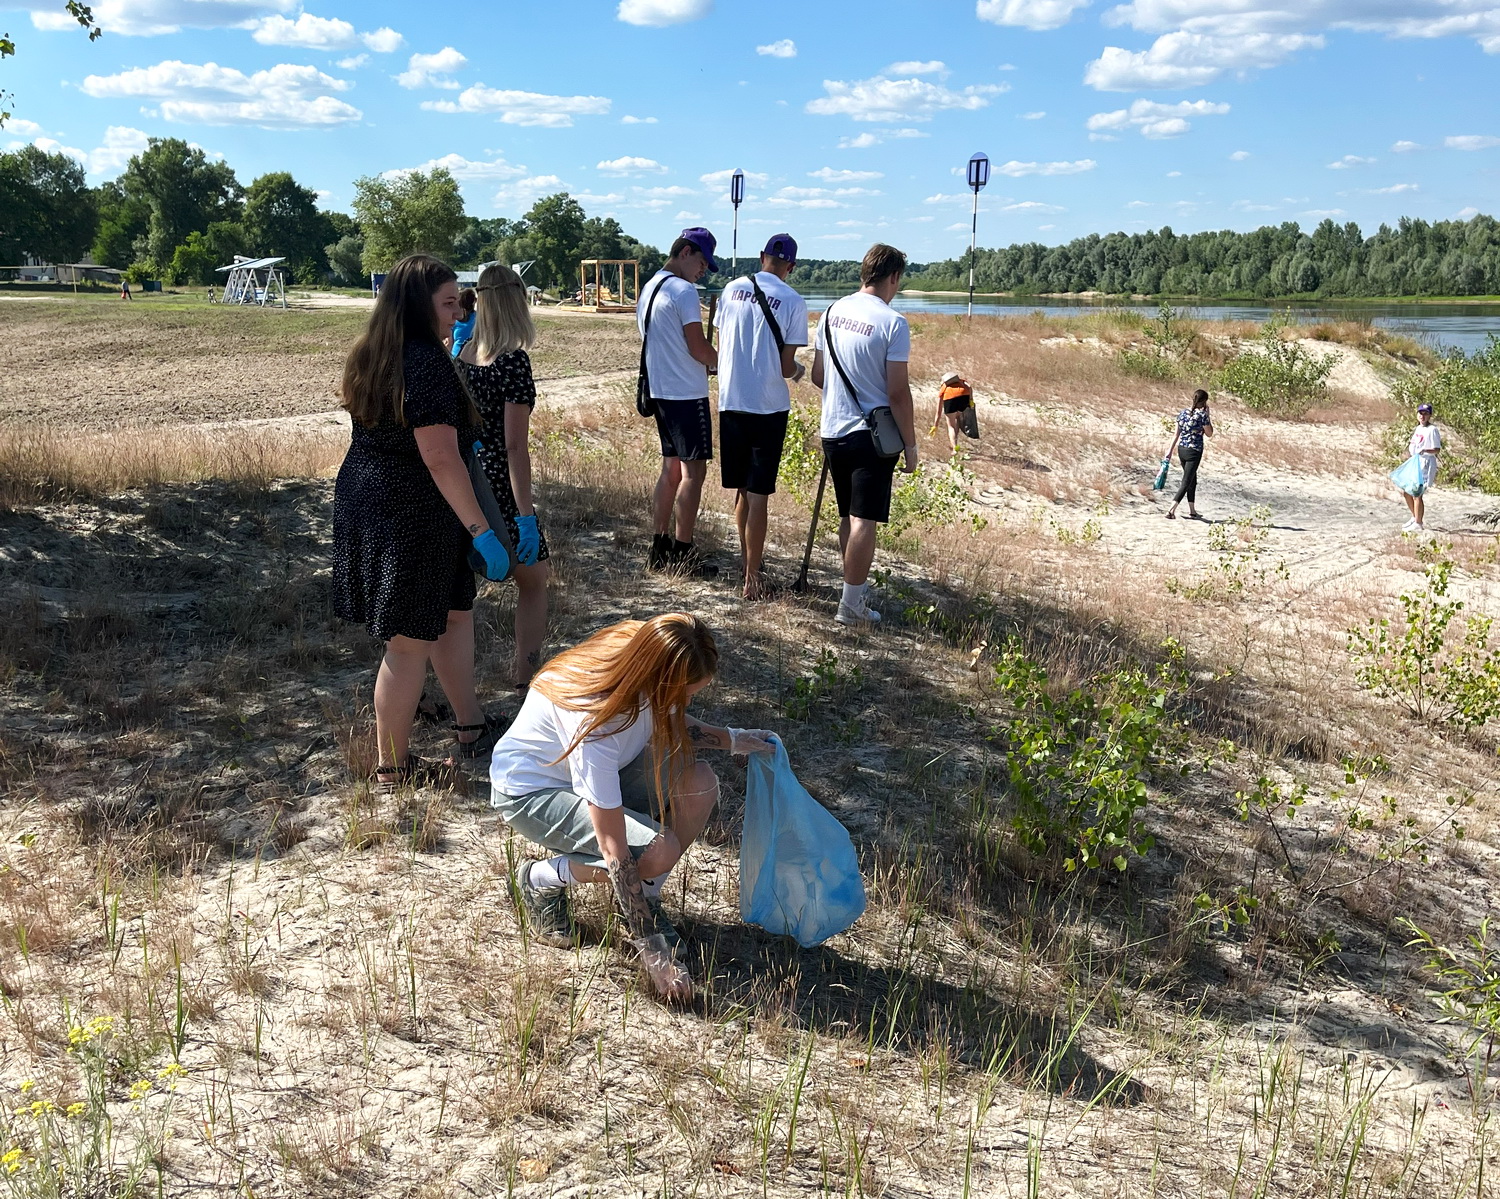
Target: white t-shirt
column 1426, row 437
column 674, row 373
column 867, row 333
column 523, row 758
column 750, row 378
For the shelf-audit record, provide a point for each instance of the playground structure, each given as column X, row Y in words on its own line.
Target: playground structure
column 609, row 284
column 258, row 281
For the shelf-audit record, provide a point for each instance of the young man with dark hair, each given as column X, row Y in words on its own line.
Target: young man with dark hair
column 754, row 399
column 678, row 361
column 872, row 344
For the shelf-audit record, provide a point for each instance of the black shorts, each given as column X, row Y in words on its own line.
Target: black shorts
column 686, row 429
column 861, row 477
column 957, row 404
column 750, row 449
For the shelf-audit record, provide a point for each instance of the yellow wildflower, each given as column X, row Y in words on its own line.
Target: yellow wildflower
column 140, row 1089
column 76, row 1109
column 27, row 1085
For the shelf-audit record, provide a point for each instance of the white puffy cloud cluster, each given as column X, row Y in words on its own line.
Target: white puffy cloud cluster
column 464, row 169
column 1151, row 119
column 522, row 108
column 119, row 144
column 286, row 96
column 153, row 18
column 1028, row 14
column 863, row 141
column 785, row 48
column 662, row 12
column 629, row 164
column 1018, row 169
column 433, row 70
column 892, row 100
column 322, row 33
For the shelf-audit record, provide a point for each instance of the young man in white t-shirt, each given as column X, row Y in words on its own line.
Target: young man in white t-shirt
column 678, row 361
column 1427, row 442
column 872, row 343
column 754, row 399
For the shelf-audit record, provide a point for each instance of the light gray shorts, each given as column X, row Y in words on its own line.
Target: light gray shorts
column 557, row 818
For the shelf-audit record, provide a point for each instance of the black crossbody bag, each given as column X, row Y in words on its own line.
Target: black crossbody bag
column 765, row 306
column 881, row 421
column 644, row 404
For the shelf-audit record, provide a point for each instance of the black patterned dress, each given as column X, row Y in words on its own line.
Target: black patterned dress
column 400, row 554
column 507, row 380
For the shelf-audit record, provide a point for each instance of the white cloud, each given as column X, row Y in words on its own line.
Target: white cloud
column 685, row 215
column 1032, row 206
column 882, row 99
column 464, row 168
column 1017, row 169
column 522, row 193
column 1184, row 59
column 839, row 237
column 24, row 128
column 50, row 145
column 1153, row 120
column 947, row 198
column 956, row 226
column 1032, row 116
column 631, row 165
column 153, row 18
column 523, row 108
column 1239, row 156
column 832, row 175
column 597, row 198
column 909, row 67
column 629, row 120
column 313, row 33
column 1044, row 228
column 353, row 62
column 1464, row 214
column 1174, row 174
column 662, row 12
column 1395, row 189
column 1028, row 14
column 118, row 146
column 1349, row 162
column 286, row 96
column 1139, row 204
column 1320, row 213
column 1405, row 147
column 1471, row 141
column 861, row 141
column 720, row 179
column 785, row 48
column 384, row 40
column 664, row 193
column 432, row 70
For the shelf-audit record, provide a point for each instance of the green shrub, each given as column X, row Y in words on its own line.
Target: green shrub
column 930, row 498
column 1464, row 392
column 1469, row 976
column 1422, row 660
column 802, row 455
column 1079, row 763
column 1277, row 376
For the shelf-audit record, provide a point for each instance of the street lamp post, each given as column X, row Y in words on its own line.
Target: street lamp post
column 736, row 197
column 979, row 175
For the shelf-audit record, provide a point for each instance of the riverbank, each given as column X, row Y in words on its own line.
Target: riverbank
column 1101, row 297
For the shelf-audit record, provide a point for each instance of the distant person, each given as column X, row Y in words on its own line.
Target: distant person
column 601, row 770
column 1427, row 442
column 405, row 516
column 1193, row 425
column 124, row 288
column 871, row 341
column 463, row 327
column 755, row 363
column 678, row 361
column 499, row 371
column 954, row 397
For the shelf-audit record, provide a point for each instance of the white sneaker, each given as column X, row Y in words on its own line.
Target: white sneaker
column 1416, row 528
column 1409, row 525
column 863, row 616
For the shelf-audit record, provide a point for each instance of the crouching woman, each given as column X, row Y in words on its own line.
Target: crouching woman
column 601, row 769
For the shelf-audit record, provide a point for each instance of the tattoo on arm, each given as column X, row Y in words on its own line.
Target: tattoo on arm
column 704, row 738
column 625, row 877
column 474, row 530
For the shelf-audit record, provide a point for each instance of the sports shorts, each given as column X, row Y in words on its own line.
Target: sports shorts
column 861, row 477
column 686, row 429
column 957, row 404
column 750, row 449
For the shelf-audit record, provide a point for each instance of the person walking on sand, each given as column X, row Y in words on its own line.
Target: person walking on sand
column 499, row 373
column 601, row 770
column 761, row 323
column 1427, row 442
column 1193, row 425
column 405, row 517
column 869, row 344
column 954, row 397
column 678, row 360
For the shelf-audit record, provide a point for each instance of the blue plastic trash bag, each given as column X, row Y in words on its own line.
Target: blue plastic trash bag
column 799, row 874
column 1161, row 475
column 1408, row 476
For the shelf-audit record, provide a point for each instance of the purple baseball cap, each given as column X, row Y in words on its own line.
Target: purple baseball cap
column 1425, row 408
column 781, row 246
column 705, row 241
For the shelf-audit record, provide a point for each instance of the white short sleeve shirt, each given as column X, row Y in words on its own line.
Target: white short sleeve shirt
column 867, row 333
column 1426, row 437
column 750, row 378
column 529, row 757
column 674, row 373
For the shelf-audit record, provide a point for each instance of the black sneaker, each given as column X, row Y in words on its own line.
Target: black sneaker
column 547, row 913
column 687, row 558
column 660, row 555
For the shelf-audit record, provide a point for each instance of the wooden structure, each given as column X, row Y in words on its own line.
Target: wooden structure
column 609, row 284
column 258, row 281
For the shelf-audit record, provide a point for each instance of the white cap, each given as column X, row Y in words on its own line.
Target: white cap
column 951, row 377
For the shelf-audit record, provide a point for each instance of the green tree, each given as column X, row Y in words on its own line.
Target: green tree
column 556, row 228
column 193, row 261
column 282, row 218
column 46, row 210
column 345, row 259
column 184, row 192
column 123, row 220
column 414, row 213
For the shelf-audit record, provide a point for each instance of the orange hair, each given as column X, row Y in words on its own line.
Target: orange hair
column 628, row 667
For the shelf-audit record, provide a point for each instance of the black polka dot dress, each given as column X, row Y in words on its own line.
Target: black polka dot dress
column 400, row 554
column 507, row 380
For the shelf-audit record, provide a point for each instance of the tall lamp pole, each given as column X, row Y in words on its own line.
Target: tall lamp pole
column 979, row 175
column 736, row 197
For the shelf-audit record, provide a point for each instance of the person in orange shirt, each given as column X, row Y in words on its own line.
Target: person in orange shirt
column 954, row 395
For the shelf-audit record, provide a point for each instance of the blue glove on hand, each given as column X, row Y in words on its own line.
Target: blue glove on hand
column 489, row 557
column 528, row 540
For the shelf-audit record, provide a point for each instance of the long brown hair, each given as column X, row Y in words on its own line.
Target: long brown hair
column 374, row 388
column 629, row 667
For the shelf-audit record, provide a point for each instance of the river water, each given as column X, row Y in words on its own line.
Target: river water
column 1463, row 326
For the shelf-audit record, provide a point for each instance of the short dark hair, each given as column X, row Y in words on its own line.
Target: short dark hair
column 466, row 299
column 682, row 244
column 881, row 262
column 1200, row 398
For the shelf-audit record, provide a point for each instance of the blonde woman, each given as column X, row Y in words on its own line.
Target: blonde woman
column 499, row 372
column 601, row 769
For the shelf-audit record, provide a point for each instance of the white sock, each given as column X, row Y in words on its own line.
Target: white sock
column 854, row 596
column 651, row 887
column 552, row 874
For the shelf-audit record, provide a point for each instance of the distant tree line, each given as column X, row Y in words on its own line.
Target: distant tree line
column 1415, row 258
column 177, row 215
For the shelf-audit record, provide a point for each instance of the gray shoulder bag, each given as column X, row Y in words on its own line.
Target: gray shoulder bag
column 880, row 421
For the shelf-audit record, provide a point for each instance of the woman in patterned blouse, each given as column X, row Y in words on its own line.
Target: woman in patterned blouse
column 1193, row 425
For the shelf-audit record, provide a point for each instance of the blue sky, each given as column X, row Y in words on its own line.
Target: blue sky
column 853, row 122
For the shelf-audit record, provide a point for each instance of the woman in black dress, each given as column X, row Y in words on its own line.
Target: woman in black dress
column 499, row 371
column 405, row 516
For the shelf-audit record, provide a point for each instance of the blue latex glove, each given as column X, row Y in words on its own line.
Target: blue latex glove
column 528, row 540
column 492, row 560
